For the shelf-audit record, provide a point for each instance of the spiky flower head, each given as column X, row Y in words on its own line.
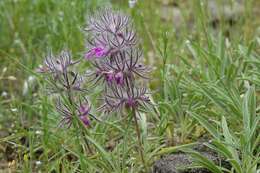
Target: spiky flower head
column 65, row 112
column 116, row 59
column 82, row 111
column 125, row 67
column 57, row 64
column 63, row 77
column 108, row 33
column 119, row 98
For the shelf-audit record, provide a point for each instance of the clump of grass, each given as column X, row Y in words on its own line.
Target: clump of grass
column 232, row 101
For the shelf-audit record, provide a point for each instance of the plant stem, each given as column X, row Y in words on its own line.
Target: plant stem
column 88, row 146
column 140, row 146
column 70, row 98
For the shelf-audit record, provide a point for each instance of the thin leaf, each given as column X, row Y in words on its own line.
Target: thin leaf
column 210, row 128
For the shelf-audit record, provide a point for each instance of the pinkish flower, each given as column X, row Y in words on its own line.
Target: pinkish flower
column 129, row 97
column 109, row 76
column 119, row 78
column 97, row 52
column 131, row 103
column 42, row 69
column 84, row 110
column 85, row 120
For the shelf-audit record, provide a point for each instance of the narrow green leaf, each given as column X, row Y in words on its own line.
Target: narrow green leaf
column 226, row 133
column 220, row 148
column 210, row 128
column 175, row 148
column 205, row 162
column 249, row 111
column 236, row 165
column 104, row 154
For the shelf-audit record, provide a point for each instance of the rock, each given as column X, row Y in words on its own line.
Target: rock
column 179, row 163
column 230, row 13
column 182, row 162
column 4, row 133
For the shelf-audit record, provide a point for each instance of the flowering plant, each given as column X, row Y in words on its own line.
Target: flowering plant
column 116, row 57
column 66, row 82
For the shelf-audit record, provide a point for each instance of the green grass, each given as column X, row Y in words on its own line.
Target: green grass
column 205, row 83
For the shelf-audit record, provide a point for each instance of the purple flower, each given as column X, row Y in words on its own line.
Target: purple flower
column 120, row 98
column 122, row 66
column 119, row 78
column 66, row 111
column 97, row 52
column 109, row 33
column 85, row 120
column 42, row 69
column 84, row 110
column 109, row 76
column 58, row 64
column 131, row 102
column 107, row 20
column 62, row 76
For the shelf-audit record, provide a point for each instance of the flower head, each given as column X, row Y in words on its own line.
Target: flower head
column 109, row 76
column 85, row 120
column 120, row 98
column 107, row 20
column 112, row 37
column 98, row 52
column 124, row 68
column 65, row 112
column 57, row 64
column 109, row 33
column 84, row 111
column 62, row 76
column 119, row 78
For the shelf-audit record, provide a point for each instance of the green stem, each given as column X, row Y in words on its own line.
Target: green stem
column 87, row 143
column 70, row 98
column 140, row 146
